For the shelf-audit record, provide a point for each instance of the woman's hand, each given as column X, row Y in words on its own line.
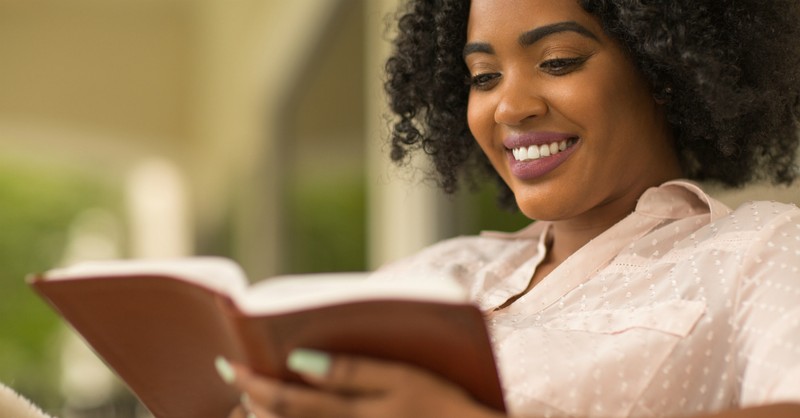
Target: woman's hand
column 352, row 387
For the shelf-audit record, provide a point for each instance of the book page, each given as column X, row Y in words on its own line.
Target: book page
column 298, row 292
column 218, row 273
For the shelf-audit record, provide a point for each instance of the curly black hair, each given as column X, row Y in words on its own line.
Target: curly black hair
column 728, row 72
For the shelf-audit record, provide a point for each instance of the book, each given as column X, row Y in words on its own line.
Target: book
column 159, row 325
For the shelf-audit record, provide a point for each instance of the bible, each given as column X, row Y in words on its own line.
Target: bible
column 159, row 325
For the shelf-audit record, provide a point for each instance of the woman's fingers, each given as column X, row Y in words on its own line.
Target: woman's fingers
column 270, row 398
column 239, row 412
column 356, row 374
column 254, row 410
column 352, row 387
column 383, row 388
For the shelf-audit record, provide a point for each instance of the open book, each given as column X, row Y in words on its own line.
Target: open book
column 159, row 324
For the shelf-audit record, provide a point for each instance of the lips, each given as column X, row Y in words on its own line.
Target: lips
column 535, row 154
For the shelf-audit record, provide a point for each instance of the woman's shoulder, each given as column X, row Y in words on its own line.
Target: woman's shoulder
column 751, row 231
column 762, row 218
column 684, row 198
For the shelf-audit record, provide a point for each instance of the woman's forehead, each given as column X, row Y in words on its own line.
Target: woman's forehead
column 488, row 17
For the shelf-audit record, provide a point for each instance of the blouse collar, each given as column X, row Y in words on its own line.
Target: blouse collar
column 674, row 199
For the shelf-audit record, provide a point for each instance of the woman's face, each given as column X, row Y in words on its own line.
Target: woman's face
column 561, row 111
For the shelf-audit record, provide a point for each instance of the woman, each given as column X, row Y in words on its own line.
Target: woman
column 635, row 294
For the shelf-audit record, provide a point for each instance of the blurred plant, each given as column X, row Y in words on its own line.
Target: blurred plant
column 326, row 228
column 326, row 219
column 485, row 214
column 36, row 208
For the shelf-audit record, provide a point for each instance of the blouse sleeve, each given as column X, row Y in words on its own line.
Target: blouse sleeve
column 768, row 315
column 14, row 405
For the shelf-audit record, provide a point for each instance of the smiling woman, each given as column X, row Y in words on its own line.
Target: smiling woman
column 634, row 293
column 564, row 80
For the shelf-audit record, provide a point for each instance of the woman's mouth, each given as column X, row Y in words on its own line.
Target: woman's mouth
column 535, row 152
column 536, row 155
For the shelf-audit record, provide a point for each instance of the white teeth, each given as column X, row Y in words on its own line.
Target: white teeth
column 544, row 150
column 535, row 152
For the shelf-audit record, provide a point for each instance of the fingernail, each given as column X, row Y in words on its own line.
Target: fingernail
column 245, row 401
column 224, row 369
column 311, row 362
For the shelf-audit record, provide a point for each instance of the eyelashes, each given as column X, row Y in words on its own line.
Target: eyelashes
column 483, row 81
column 562, row 66
column 555, row 67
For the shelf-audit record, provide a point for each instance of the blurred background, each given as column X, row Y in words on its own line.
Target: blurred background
column 253, row 129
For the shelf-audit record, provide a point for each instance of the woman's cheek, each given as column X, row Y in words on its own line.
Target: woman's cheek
column 479, row 120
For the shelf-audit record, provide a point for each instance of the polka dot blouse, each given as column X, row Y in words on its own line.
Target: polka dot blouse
column 683, row 307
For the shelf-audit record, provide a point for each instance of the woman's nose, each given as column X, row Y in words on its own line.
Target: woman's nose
column 518, row 102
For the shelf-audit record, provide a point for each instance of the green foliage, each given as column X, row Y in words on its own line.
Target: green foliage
column 326, row 213
column 327, row 223
column 489, row 216
column 36, row 208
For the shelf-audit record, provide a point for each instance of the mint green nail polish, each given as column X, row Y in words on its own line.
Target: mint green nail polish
column 310, row 362
column 224, row 369
column 245, row 401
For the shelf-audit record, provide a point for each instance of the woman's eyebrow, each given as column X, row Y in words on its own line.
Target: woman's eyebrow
column 532, row 36
column 476, row 47
column 535, row 35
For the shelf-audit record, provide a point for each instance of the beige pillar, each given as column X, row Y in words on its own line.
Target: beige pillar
column 402, row 209
column 254, row 53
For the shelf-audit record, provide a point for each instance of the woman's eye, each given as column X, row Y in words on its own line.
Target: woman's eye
column 483, row 81
column 562, row 66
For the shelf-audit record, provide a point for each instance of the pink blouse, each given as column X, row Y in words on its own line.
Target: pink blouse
column 683, row 307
